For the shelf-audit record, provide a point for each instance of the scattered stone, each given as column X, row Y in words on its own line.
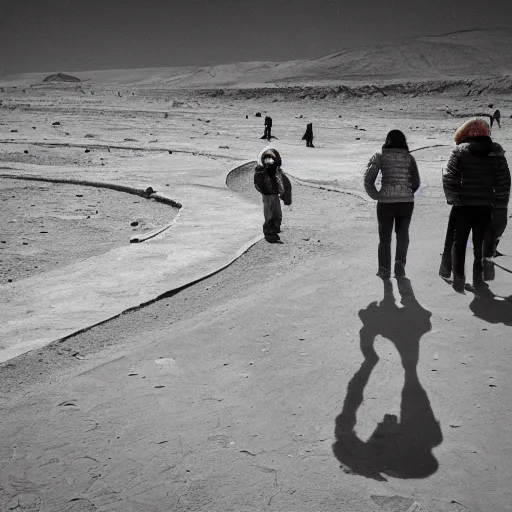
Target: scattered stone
column 79, row 195
column 358, row 138
column 223, row 147
column 246, row 116
column 33, row 127
column 258, row 114
column 56, row 123
column 170, row 152
column 14, row 131
column 26, row 151
column 89, row 136
column 87, row 151
column 134, row 223
column 491, row 105
column 9, row 280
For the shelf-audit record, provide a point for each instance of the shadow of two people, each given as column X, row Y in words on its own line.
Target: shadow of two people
column 402, row 449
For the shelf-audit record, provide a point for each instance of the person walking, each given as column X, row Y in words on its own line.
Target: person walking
column 476, row 180
column 274, row 186
column 308, row 135
column 395, row 199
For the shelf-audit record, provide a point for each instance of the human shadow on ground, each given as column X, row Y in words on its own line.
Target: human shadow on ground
column 492, row 308
column 402, row 449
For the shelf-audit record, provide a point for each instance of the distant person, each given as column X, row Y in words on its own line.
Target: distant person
column 496, row 117
column 400, row 180
column 476, row 181
column 308, row 135
column 268, row 128
column 274, row 186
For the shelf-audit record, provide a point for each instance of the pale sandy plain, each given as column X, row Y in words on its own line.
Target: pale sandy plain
column 247, row 390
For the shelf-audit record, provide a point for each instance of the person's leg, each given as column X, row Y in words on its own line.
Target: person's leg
column 277, row 213
column 445, row 269
column 385, row 219
column 402, row 222
column 462, row 229
column 270, row 211
column 480, row 220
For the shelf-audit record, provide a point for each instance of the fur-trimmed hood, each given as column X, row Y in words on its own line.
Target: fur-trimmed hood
column 269, row 152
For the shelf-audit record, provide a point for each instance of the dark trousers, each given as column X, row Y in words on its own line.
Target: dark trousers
column 273, row 216
column 465, row 219
column 399, row 215
column 493, row 233
column 267, row 134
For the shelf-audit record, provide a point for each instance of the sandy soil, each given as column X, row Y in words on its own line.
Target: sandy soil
column 293, row 380
column 47, row 224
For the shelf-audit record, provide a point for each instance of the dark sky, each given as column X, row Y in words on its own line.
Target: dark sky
column 75, row 35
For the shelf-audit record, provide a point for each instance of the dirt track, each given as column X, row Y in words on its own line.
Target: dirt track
column 249, row 391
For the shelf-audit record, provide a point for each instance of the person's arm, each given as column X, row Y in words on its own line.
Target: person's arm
column 287, row 194
column 502, row 184
column 415, row 175
column 372, row 170
column 452, row 178
column 258, row 180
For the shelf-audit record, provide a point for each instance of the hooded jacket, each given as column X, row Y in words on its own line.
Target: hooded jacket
column 400, row 176
column 477, row 174
column 269, row 179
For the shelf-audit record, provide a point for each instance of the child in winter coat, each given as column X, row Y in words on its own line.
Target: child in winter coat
column 273, row 185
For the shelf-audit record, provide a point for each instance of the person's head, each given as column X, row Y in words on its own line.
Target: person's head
column 395, row 139
column 270, row 158
column 472, row 128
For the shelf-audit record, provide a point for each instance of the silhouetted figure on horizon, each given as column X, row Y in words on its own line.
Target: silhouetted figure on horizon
column 268, row 128
column 308, row 135
column 496, row 117
column 401, row 448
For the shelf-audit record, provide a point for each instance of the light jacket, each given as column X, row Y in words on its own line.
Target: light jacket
column 400, row 176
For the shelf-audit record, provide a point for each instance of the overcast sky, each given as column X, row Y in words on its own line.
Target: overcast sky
column 77, row 35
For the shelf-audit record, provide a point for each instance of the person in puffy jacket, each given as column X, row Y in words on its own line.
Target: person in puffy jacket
column 395, row 199
column 476, row 181
column 273, row 185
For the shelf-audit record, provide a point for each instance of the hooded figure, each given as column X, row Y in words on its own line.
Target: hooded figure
column 476, row 183
column 273, row 185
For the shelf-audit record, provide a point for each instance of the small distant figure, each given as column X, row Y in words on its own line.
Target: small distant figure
column 268, row 128
column 496, row 117
column 274, row 186
column 308, row 135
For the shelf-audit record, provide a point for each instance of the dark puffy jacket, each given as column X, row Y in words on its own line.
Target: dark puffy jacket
column 273, row 183
column 477, row 173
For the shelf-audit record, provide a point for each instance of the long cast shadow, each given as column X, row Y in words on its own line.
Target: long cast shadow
column 399, row 448
column 492, row 308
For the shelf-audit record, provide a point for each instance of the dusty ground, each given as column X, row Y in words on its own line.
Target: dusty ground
column 49, row 224
column 257, row 389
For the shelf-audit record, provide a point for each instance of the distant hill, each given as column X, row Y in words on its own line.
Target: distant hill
column 458, row 55
column 61, row 77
